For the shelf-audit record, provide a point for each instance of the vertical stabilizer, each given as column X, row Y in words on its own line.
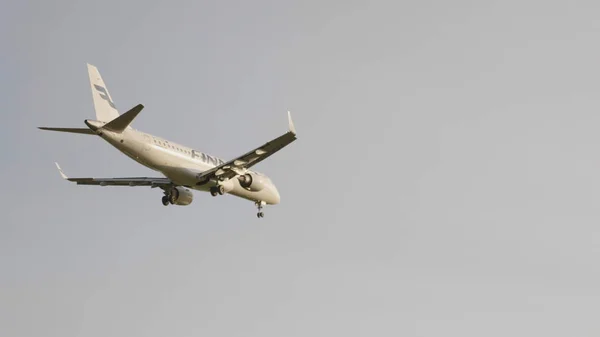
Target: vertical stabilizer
column 106, row 110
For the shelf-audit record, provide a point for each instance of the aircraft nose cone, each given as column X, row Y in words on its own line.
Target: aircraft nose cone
column 276, row 198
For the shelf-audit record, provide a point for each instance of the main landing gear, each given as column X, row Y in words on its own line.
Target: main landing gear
column 217, row 190
column 259, row 205
column 170, row 197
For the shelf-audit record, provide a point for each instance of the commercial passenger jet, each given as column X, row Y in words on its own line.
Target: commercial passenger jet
column 183, row 168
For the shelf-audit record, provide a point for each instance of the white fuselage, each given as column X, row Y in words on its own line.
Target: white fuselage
column 179, row 163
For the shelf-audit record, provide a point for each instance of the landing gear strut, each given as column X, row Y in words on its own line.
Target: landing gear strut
column 173, row 196
column 170, row 197
column 259, row 206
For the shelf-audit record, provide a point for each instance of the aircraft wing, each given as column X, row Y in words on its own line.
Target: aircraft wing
column 134, row 181
column 240, row 164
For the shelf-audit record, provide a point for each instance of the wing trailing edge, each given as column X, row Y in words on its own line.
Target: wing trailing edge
column 129, row 181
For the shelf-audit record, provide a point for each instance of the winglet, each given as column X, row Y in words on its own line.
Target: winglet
column 291, row 123
column 62, row 174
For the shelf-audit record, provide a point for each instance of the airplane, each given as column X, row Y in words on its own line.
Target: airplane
column 184, row 169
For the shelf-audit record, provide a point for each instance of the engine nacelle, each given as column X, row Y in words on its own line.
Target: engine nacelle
column 228, row 185
column 251, row 182
column 181, row 196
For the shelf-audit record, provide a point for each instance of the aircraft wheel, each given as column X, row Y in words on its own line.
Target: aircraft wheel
column 259, row 205
column 165, row 201
column 213, row 191
column 221, row 190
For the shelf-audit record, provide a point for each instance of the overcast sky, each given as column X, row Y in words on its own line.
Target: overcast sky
column 445, row 180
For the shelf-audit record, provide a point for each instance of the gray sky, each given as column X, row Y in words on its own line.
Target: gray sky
column 444, row 183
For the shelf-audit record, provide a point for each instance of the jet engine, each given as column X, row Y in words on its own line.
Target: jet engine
column 181, row 196
column 251, row 182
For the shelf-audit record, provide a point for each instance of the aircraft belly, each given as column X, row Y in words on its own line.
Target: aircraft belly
column 269, row 194
column 181, row 175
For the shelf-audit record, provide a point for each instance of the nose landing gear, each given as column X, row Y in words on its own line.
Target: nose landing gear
column 259, row 206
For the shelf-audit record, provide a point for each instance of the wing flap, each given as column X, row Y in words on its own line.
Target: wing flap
column 134, row 181
column 238, row 165
column 131, row 181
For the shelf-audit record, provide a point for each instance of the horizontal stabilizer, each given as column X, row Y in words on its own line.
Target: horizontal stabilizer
column 122, row 122
column 71, row 130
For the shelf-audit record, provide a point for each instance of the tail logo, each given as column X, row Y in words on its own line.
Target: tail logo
column 104, row 95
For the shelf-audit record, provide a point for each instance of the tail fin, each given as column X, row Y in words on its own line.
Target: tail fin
column 106, row 110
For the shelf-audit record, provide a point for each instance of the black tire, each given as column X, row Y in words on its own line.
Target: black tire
column 165, row 201
column 213, row 191
column 221, row 189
